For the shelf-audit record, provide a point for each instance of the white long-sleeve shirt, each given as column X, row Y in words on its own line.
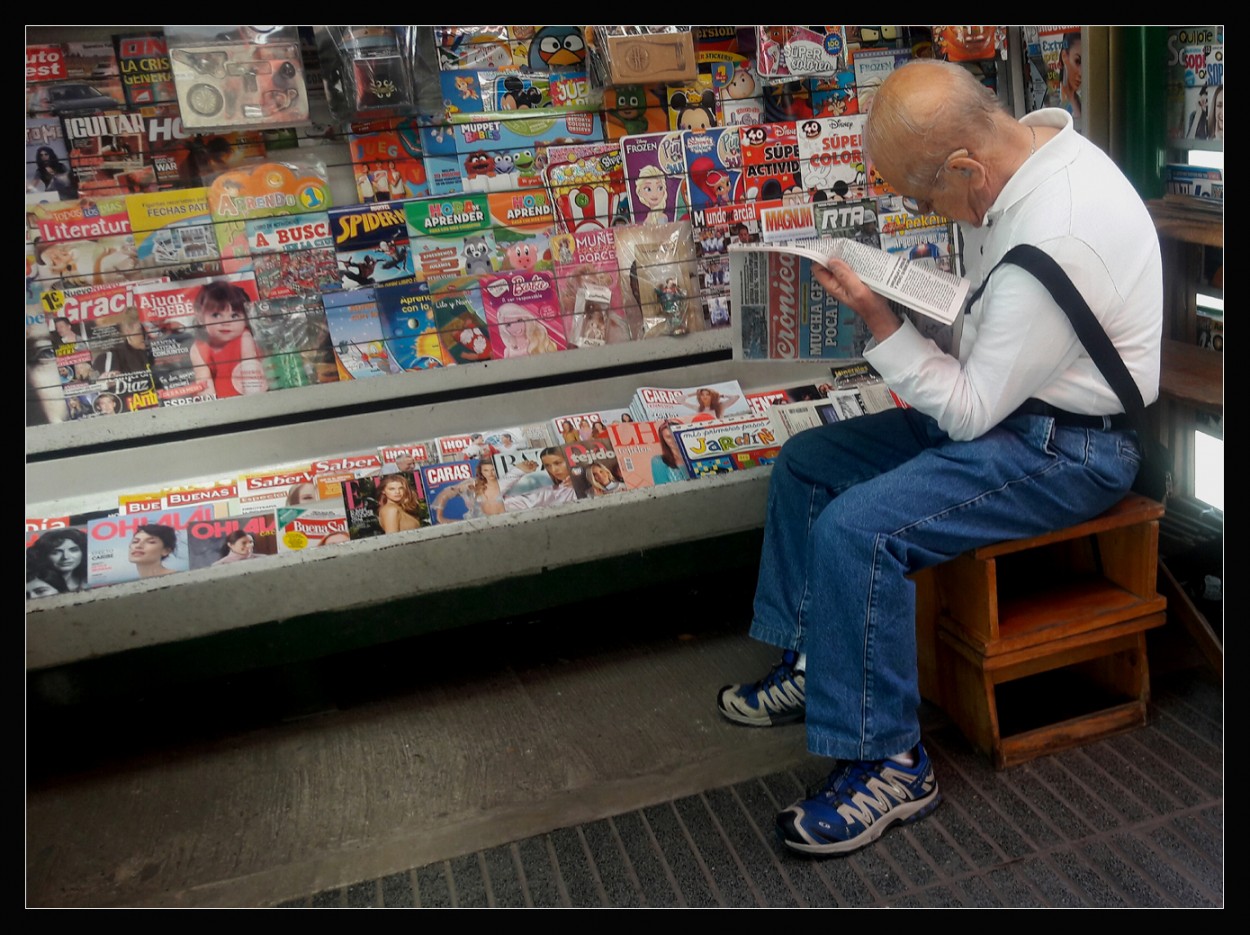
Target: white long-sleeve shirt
column 1072, row 201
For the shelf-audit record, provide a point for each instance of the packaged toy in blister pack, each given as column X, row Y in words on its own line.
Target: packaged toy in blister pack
column 658, row 269
column 238, row 76
column 367, row 70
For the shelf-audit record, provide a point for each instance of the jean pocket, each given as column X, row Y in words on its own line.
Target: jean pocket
column 1129, row 449
column 1069, row 443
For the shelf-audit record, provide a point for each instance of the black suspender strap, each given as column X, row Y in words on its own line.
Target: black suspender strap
column 1096, row 343
column 1088, row 331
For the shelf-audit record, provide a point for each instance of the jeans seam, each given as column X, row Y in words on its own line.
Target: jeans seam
column 1056, row 464
column 869, row 639
column 801, row 612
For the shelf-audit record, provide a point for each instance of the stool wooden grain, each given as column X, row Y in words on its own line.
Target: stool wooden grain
column 1035, row 645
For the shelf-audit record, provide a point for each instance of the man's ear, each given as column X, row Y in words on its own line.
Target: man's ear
column 967, row 166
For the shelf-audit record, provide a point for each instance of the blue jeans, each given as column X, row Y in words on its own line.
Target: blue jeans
column 856, row 506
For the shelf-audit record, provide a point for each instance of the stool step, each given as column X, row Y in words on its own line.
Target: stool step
column 1071, row 607
column 1006, row 665
column 1020, row 748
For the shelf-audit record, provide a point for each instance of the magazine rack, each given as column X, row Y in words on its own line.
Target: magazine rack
column 1036, row 645
column 301, row 590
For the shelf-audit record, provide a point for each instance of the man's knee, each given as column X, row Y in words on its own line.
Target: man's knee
column 816, row 455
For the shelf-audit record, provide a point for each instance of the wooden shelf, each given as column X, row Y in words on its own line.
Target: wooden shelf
column 1192, row 375
column 1189, row 224
column 1182, row 609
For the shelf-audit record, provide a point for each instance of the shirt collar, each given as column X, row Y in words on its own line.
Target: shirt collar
column 1041, row 165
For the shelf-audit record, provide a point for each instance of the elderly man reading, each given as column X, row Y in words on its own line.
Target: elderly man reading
column 1018, row 436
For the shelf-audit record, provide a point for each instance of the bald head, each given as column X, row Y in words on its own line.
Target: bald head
column 922, row 113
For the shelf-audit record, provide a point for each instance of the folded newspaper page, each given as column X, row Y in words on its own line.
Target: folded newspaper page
column 927, row 290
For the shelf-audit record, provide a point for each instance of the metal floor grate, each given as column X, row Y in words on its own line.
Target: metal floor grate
column 1134, row 821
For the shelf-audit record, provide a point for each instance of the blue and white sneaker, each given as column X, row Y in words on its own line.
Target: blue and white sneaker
column 778, row 698
column 859, row 800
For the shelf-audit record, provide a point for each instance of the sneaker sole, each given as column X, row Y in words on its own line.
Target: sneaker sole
column 902, row 814
column 775, row 722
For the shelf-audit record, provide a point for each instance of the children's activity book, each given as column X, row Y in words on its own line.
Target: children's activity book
column 372, row 244
column 831, row 151
column 407, row 321
column 356, row 335
column 523, row 313
column 727, row 445
column 655, row 170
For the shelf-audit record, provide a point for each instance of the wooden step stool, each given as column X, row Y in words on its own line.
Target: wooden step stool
column 1036, row 645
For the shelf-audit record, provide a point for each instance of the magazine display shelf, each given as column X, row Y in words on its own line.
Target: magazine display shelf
column 71, row 628
column 74, row 466
column 397, row 389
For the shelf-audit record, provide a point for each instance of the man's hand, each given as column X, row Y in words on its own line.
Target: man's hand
column 840, row 281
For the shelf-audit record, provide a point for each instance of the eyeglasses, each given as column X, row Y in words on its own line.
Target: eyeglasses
column 917, row 206
column 925, row 205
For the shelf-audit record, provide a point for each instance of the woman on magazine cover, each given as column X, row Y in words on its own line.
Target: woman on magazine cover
column 604, row 479
column 1070, row 74
column 301, row 493
column 398, row 506
column 481, row 496
column 37, row 587
column 151, row 545
column 128, row 356
column 59, row 559
column 708, row 403
column 1199, row 124
column 668, row 465
column 51, row 175
column 238, row 547
column 486, row 490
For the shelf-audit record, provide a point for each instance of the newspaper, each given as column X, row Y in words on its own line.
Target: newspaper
column 784, row 314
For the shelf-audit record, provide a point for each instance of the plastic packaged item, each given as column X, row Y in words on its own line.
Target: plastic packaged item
column 367, row 70
column 659, row 272
column 238, row 76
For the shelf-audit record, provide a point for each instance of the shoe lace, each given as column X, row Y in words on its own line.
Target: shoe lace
column 781, row 672
column 844, row 773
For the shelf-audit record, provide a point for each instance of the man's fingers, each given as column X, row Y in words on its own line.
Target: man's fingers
column 825, row 278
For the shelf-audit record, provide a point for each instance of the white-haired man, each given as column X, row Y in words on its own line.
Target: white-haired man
column 1018, row 436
